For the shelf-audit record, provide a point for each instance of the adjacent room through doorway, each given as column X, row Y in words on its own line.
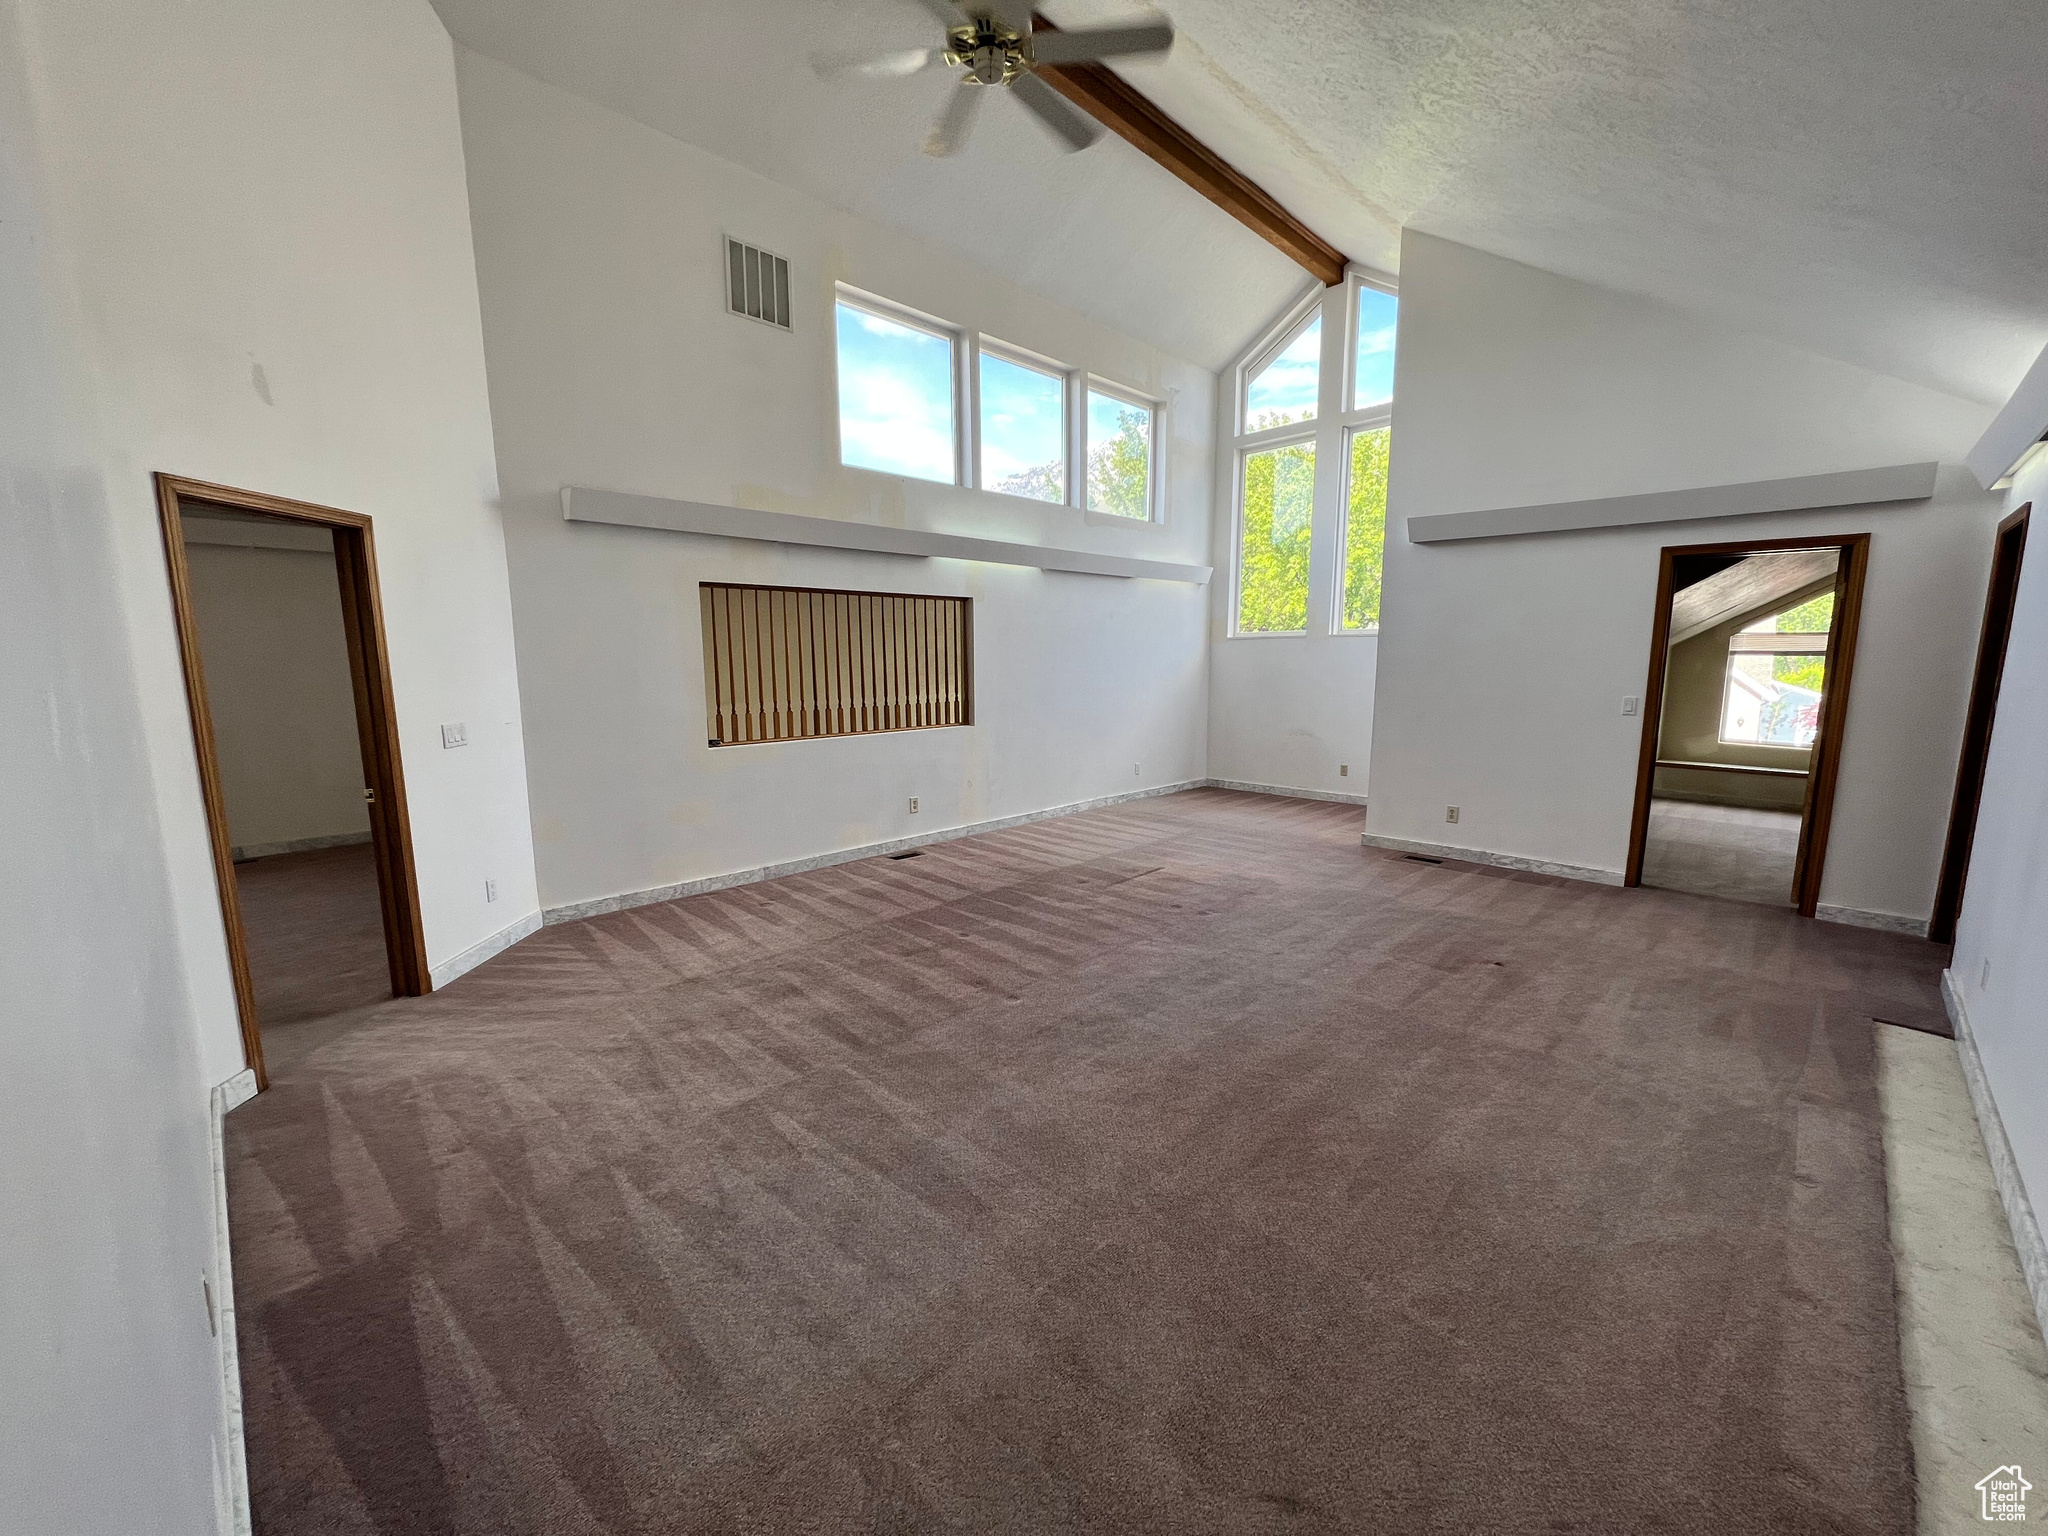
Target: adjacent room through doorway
column 290, row 696
column 1739, row 737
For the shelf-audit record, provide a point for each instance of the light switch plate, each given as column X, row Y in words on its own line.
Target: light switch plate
column 455, row 735
column 1631, row 704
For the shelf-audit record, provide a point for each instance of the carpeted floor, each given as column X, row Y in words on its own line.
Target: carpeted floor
column 1179, row 1166
column 315, row 934
column 1730, row 851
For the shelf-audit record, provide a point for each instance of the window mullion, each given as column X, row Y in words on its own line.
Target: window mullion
column 1325, row 558
column 967, row 410
column 1077, row 437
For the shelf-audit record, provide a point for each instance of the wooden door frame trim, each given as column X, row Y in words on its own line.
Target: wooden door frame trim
column 376, row 722
column 2000, row 596
column 1816, row 820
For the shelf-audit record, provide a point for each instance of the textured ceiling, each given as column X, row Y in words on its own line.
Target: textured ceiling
column 1866, row 178
column 1105, row 232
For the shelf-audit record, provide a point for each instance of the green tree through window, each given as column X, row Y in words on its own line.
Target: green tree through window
column 1365, row 527
column 1272, row 572
column 1119, row 457
column 1815, row 616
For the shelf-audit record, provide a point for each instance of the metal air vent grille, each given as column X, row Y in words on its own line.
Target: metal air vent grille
column 756, row 284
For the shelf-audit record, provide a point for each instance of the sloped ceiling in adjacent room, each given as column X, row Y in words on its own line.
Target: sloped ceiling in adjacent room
column 1864, row 178
column 1105, row 232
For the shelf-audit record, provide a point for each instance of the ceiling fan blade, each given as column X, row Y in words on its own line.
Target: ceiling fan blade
column 949, row 14
column 1014, row 14
column 956, row 121
column 881, row 66
column 1085, row 45
column 1073, row 127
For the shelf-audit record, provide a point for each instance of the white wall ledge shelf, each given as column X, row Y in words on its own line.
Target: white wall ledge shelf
column 583, row 505
column 1799, row 493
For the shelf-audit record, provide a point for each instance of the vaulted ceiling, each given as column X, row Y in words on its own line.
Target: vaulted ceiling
column 1866, row 178
column 1106, row 232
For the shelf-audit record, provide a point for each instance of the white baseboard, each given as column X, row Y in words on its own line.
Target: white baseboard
column 570, row 911
column 2005, row 1170
column 1498, row 860
column 483, row 949
column 1888, row 922
column 1287, row 790
column 231, row 1489
column 243, row 851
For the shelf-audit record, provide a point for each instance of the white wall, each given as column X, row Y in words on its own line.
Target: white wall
column 613, row 364
column 1291, row 711
column 261, row 207
column 277, row 686
column 112, row 1419
column 1517, row 387
column 2000, row 966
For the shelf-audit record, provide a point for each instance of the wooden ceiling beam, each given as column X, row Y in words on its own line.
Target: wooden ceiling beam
column 1110, row 100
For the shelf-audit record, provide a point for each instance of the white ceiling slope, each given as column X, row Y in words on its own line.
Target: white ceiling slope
column 1865, row 178
column 1105, row 232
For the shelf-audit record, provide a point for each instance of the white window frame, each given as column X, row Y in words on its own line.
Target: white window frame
column 967, row 346
column 1156, row 409
column 966, row 405
column 1331, row 431
column 1356, row 279
column 1290, row 436
column 1278, row 340
column 1038, row 362
column 1353, row 422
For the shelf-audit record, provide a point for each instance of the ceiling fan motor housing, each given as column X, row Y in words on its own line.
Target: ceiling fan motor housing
column 992, row 53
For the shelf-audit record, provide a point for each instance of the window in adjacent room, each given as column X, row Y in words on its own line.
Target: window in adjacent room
column 1282, row 389
column 896, row 394
column 1119, row 455
column 1023, row 428
column 1777, row 674
column 1276, row 501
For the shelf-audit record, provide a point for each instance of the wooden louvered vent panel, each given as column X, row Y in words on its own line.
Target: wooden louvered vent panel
column 782, row 663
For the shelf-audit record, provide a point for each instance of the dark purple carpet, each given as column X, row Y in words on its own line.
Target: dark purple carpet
column 1177, row 1167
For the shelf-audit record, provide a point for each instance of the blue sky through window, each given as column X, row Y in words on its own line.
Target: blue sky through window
column 1372, row 379
column 895, row 396
column 1023, row 430
column 1285, row 389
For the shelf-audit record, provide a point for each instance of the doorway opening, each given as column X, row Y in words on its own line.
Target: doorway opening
column 1750, row 663
column 288, row 679
column 1962, row 820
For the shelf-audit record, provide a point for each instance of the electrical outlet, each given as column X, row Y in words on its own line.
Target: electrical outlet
column 490, row 890
column 1984, row 976
column 1450, row 813
column 1343, row 770
column 1631, row 704
column 455, row 735
column 913, row 805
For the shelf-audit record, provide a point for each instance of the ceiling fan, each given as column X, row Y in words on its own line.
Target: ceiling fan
column 994, row 42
